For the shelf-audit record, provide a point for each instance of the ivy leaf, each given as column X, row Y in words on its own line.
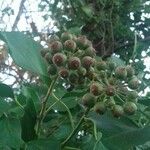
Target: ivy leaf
column 10, row 130
column 24, row 51
column 6, row 91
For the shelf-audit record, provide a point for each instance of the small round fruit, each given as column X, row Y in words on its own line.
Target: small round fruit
column 96, row 88
column 133, row 83
column 100, row 108
column 130, row 71
column 81, row 71
column 87, row 62
column 48, row 58
column 120, row 72
column 111, row 65
column 44, row 52
column 64, row 73
column 112, row 81
column 110, row 103
column 130, row 108
column 52, row 39
column 74, row 63
column 88, row 100
column 90, row 51
column 73, row 78
column 117, row 111
column 81, row 42
column 56, row 47
column 59, row 59
column 70, row 45
column 52, row 70
column 66, row 36
column 110, row 90
column 101, row 65
column 132, row 95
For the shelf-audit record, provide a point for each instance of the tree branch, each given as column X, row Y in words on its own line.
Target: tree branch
column 18, row 15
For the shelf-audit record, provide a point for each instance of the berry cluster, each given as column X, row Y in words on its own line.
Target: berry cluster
column 111, row 87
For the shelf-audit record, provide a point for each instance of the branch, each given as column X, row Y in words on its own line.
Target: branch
column 18, row 15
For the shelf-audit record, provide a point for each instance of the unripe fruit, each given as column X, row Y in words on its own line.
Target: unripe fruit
column 90, row 51
column 111, row 65
column 81, row 42
column 52, row 39
column 130, row 108
column 134, row 83
column 110, row 90
column 96, row 88
column 70, row 45
column 74, row 63
column 100, row 108
column 81, row 71
column 44, row 52
column 91, row 74
column 130, row 71
column 48, row 58
column 52, row 70
column 87, row 62
column 132, row 95
column 64, row 73
column 117, row 111
column 101, row 65
column 59, row 59
column 73, row 78
column 66, row 36
column 88, row 100
column 110, row 103
column 112, row 81
column 56, row 46
column 120, row 72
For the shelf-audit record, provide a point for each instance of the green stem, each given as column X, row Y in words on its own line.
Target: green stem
column 18, row 103
column 75, row 129
column 69, row 113
column 42, row 111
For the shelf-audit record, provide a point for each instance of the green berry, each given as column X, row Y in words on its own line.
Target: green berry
column 112, row 81
column 81, row 42
column 87, row 62
column 100, row 108
column 52, row 70
column 81, row 71
column 133, row 83
column 88, row 100
column 73, row 78
column 48, row 58
column 101, row 65
column 130, row 108
column 110, row 103
column 56, row 47
column 44, row 52
column 59, row 59
column 117, row 111
column 70, row 45
column 53, row 38
column 96, row 88
column 90, row 51
column 121, row 73
column 132, row 95
column 64, row 73
column 74, row 63
column 130, row 71
column 66, row 36
column 111, row 65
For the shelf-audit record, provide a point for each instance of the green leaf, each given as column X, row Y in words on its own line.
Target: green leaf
column 117, row 60
column 87, row 10
column 6, row 91
column 4, row 106
column 10, row 132
column 25, row 51
column 120, row 133
column 28, row 121
column 43, row 144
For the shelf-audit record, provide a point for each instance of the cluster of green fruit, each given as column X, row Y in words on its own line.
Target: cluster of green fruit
column 110, row 87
